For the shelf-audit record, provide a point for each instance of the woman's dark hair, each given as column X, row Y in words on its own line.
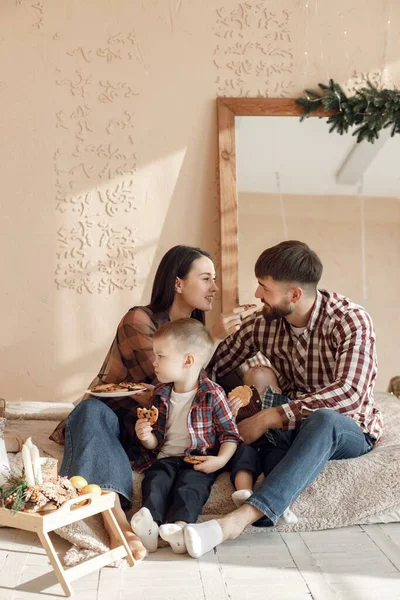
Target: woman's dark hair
column 177, row 262
column 290, row 261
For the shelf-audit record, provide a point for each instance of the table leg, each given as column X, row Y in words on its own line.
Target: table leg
column 55, row 561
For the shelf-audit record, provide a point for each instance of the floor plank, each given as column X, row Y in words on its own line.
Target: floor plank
column 352, row 563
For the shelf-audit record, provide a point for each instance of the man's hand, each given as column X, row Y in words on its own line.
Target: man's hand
column 144, row 430
column 209, row 464
column 254, row 427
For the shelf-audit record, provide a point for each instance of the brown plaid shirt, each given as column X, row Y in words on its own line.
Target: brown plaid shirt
column 130, row 357
column 332, row 364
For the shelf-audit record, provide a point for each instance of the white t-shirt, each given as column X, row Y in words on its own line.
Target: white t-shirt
column 297, row 330
column 177, row 437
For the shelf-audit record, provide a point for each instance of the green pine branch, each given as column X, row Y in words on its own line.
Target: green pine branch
column 370, row 109
column 14, row 488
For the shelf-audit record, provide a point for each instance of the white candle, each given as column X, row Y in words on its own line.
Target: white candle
column 4, row 464
column 26, row 459
column 37, row 469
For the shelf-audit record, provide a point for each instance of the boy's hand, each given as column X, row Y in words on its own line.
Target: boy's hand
column 235, row 404
column 209, row 464
column 144, row 430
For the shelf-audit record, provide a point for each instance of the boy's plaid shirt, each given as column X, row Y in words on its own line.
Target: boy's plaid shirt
column 332, row 364
column 210, row 422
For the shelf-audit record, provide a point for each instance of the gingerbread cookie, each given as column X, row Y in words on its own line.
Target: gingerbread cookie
column 244, row 392
column 148, row 413
column 118, row 387
column 192, row 460
column 248, row 306
column 132, row 387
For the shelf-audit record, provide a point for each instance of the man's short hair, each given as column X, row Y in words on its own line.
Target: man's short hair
column 190, row 334
column 290, row 261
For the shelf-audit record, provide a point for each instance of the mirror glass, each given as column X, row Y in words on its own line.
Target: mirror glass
column 295, row 180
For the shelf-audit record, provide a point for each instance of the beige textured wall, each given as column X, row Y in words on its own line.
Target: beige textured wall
column 358, row 241
column 108, row 146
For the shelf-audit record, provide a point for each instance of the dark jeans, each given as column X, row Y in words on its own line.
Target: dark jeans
column 173, row 491
column 93, row 449
column 246, row 458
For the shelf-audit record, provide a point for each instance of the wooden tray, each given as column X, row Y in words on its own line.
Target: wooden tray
column 68, row 513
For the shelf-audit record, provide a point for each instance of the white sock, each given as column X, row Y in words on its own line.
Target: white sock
column 173, row 534
column 288, row 517
column 202, row 537
column 145, row 528
column 240, row 496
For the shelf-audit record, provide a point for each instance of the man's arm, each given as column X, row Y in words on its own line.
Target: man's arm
column 254, row 427
column 234, row 350
column 353, row 377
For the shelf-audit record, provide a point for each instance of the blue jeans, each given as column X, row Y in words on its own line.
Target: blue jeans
column 94, row 451
column 293, row 465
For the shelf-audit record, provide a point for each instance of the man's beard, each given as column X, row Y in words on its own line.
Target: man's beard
column 272, row 313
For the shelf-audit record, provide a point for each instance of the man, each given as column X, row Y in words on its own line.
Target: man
column 322, row 345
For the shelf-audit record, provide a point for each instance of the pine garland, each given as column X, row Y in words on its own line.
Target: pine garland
column 370, row 109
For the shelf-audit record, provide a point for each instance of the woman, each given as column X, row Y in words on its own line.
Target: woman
column 99, row 435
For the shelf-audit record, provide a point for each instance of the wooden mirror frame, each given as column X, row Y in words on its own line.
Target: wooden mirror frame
column 228, row 109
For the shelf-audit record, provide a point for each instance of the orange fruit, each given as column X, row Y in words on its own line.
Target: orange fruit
column 78, row 481
column 92, row 488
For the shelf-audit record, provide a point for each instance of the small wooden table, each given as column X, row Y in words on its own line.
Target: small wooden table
column 68, row 513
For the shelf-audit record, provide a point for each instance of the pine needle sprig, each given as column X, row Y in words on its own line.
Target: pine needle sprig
column 370, row 109
column 12, row 493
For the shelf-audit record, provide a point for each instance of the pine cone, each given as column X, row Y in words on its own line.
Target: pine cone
column 10, row 499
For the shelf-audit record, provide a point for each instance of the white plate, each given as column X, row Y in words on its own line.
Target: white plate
column 114, row 394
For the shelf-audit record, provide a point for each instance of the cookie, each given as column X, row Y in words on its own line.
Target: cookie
column 118, row 387
column 104, row 387
column 148, row 413
column 132, row 387
column 244, row 392
column 192, row 460
column 248, row 306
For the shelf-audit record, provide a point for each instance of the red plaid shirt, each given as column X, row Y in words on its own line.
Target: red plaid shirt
column 332, row 364
column 210, row 422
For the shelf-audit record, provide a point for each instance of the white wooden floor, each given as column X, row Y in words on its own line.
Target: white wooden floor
column 354, row 563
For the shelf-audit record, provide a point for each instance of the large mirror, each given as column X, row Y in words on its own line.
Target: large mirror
column 285, row 179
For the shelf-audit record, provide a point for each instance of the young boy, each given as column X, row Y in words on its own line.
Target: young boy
column 194, row 419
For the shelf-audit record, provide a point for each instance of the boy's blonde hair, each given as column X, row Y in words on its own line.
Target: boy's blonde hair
column 190, row 334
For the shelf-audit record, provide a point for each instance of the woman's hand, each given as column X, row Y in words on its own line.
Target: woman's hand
column 230, row 322
column 144, row 398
